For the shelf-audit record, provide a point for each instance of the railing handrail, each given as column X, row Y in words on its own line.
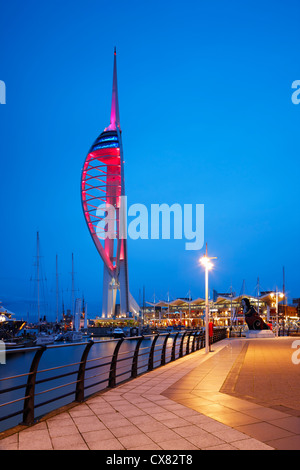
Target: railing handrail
column 114, row 360
column 82, row 343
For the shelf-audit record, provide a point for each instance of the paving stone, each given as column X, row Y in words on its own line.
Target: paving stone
column 92, row 436
column 177, row 444
column 251, row 444
column 135, row 440
column 10, row 443
column 35, row 440
column 288, row 443
column 57, row 430
column 264, row 431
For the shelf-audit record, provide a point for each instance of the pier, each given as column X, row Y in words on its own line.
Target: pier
column 241, row 396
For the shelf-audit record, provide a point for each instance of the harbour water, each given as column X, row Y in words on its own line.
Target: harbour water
column 52, row 362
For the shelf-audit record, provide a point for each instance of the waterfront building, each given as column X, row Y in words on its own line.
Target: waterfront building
column 224, row 311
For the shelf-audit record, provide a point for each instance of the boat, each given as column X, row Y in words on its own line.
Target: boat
column 11, row 345
column 19, row 343
column 70, row 336
column 43, row 339
column 10, row 329
column 59, row 338
column 73, row 336
column 118, row 333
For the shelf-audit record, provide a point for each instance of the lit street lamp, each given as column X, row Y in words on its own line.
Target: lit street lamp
column 206, row 262
column 277, row 295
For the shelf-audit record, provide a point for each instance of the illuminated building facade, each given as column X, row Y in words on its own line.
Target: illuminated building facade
column 224, row 311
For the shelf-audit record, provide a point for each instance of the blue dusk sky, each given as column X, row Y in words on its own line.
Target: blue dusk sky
column 205, row 93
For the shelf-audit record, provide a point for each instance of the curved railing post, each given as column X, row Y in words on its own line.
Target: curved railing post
column 135, row 358
column 113, row 365
column 188, row 344
column 163, row 351
column 203, row 340
column 28, row 409
column 151, row 354
column 194, row 340
column 181, row 345
column 173, row 347
column 79, row 395
column 198, row 340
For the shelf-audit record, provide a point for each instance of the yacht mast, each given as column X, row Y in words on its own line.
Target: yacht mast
column 73, row 293
column 38, row 272
column 56, row 289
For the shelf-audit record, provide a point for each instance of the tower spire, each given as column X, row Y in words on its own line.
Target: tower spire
column 114, row 114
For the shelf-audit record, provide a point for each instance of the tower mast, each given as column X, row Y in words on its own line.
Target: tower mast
column 114, row 112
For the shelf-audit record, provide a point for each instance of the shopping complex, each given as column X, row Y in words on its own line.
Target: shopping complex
column 225, row 310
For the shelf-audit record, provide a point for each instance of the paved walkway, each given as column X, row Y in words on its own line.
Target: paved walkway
column 242, row 396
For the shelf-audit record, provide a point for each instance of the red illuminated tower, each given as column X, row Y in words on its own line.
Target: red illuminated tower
column 102, row 194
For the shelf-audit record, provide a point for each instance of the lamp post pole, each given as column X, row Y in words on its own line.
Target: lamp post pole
column 277, row 319
column 206, row 311
column 277, row 295
column 205, row 261
column 276, row 313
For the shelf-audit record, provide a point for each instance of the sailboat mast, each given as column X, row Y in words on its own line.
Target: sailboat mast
column 283, row 285
column 143, row 314
column 38, row 272
column 258, row 294
column 56, row 289
column 73, row 292
column 231, row 296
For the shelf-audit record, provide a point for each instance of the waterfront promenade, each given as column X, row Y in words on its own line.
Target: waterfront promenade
column 244, row 395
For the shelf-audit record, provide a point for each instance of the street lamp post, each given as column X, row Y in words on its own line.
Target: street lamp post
column 206, row 262
column 277, row 295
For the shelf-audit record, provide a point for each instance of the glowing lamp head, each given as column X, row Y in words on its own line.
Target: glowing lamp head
column 205, row 261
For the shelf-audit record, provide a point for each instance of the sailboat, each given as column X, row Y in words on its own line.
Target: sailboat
column 75, row 335
column 43, row 338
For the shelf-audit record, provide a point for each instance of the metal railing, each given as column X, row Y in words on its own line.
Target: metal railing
column 288, row 331
column 282, row 331
column 106, row 372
